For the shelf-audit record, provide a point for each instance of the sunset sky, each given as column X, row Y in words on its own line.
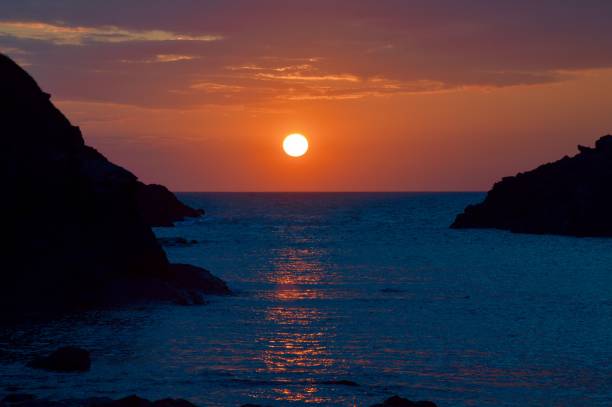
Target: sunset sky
column 392, row 95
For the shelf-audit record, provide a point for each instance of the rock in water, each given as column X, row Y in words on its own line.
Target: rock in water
column 397, row 401
column 74, row 220
column 176, row 241
column 572, row 196
column 129, row 401
column 340, row 383
column 190, row 277
column 66, row 359
column 17, row 398
column 173, row 403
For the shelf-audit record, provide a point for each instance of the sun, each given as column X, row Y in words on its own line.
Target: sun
column 295, row 145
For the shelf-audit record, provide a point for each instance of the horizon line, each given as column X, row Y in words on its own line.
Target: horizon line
column 336, row 192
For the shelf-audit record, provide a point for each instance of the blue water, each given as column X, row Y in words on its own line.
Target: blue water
column 373, row 288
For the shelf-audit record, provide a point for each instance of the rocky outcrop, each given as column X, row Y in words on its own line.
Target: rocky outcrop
column 17, row 398
column 176, row 242
column 73, row 221
column 66, row 359
column 343, row 382
column 26, row 400
column 159, row 207
column 571, row 196
column 397, row 401
column 190, row 277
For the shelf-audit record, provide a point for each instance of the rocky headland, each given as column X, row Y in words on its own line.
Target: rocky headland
column 571, row 196
column 77, row 227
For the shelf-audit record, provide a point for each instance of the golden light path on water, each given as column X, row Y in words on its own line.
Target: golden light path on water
column 297, row 345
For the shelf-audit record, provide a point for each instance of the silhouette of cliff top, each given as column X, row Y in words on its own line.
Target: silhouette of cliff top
column 15, row 80
column 571, row 196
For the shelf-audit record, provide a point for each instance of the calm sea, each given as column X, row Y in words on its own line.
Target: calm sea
column 371, row 288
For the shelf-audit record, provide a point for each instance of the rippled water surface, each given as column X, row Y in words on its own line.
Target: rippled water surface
column 372, row 288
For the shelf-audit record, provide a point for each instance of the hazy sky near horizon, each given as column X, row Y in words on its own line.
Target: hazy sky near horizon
column 393, row 95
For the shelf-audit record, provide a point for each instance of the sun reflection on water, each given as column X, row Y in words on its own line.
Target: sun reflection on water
column 296, row 266
column 296, row 343
column 293, row 349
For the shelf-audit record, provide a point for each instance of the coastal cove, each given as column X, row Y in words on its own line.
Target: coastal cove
column 281, row 203
column 369, row 288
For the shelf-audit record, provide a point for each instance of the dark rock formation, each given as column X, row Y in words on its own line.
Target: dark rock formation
column 176, row 241
column 129, row 401
column 135, row 401
column 66, row 359
column 191, row 277
column 75, row 222
column 15, row 398
column 159, row 207
column 572, row 196
column 397, row 401
column 184, row 285
column 339, row 383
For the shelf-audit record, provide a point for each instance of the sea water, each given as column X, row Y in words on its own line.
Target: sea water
column 371, row 288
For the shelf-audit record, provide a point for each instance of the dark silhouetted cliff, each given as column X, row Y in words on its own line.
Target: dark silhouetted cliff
column 75, row 226
column 572, row 196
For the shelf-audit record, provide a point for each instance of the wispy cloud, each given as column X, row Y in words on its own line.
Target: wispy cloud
column 365, row 88
column 292, row 73
column 79, row 35
column 161, row 58
column 213, row 87
column 308, row 78
column 173, row 57
column 300, row 67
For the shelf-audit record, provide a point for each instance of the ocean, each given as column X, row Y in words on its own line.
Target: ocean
column 344, row 299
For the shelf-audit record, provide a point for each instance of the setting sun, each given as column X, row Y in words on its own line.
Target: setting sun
column 295, row 145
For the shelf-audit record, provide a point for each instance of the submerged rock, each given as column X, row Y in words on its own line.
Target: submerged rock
column 15, row 398
column 391, row 290
column 176, row 241
column 397, row 401
column 78, row 224
column 66, row 359
column 340, row 383
column 190, row 298
column 571, row 196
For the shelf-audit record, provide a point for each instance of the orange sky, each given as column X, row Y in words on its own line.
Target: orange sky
column 392, row 95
